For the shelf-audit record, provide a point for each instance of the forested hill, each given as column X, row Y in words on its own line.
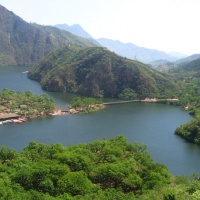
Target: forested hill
column 192, row 66
column 188, row 72
column 24, row 43
column 187, row 76
column 188, row 59
column 98, row 72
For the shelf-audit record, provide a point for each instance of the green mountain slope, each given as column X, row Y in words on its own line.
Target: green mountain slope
column 191, row 66
column 98, row 72
column 25, row 43
column 187, row 77
column 188, row 59
column 187, row 70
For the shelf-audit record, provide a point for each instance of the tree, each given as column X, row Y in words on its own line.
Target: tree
column 75, row 183
column 128, row 94
column 7, row 154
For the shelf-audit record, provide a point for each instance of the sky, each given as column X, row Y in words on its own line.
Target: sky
column 166, row 25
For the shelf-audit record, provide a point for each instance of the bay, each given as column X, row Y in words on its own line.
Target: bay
column 148, row 123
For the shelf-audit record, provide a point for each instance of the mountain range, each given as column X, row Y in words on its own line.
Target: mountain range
column 165, row 65
column 128, row 50
column 187, row 59
column 25, row 43
column 135, row 52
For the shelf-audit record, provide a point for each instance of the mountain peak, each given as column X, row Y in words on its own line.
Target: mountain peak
column 75, row 29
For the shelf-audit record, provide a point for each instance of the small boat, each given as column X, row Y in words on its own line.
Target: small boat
column 22, row 119
column 16, row 121
column 19, row 122
column 1, row 123
column 6, row 121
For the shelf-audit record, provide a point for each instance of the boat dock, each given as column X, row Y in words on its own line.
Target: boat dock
column 11, row 117
column 8, row 116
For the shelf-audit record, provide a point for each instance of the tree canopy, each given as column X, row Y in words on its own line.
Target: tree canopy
column 26, row 103
column 106, row 169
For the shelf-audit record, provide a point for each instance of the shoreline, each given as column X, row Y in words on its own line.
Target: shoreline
column 78, row 110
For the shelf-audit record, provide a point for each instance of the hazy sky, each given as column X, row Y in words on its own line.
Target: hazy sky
column 167, row 25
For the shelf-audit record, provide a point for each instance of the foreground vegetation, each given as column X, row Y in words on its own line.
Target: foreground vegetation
column 107, row 169
column 26, row 103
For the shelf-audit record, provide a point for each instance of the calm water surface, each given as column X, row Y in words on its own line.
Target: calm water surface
column 150, row 124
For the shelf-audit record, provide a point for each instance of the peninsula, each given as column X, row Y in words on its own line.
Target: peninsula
column 25, row 104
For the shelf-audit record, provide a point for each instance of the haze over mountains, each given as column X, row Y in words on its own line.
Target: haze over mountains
column 128, row 50
column 165, row 65
column 26, row 43
column 134, row 52
column 188, row 59
column 76, row 29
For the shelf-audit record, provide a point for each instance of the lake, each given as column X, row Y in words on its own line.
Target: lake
column 148, row 123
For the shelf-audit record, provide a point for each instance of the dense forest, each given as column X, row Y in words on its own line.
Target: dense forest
column 188, row 81
column 26, row 104
column 97, row 72
column 106, row 169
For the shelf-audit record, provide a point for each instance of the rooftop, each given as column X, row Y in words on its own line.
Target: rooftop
column 8, row 116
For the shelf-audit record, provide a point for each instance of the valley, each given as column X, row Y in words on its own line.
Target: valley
column 143, row 143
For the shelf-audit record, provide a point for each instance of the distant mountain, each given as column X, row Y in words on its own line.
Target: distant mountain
column 178, row 55
column 187, row 59
column 127, row 50
column 25, row 43
column 75, row 29
column 98, row 72
column 185, row 63
column 188, row 70
column 158, row 63
column 134, row 52
column 192, row 67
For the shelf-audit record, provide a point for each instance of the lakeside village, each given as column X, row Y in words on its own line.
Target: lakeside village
column 18, row 107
